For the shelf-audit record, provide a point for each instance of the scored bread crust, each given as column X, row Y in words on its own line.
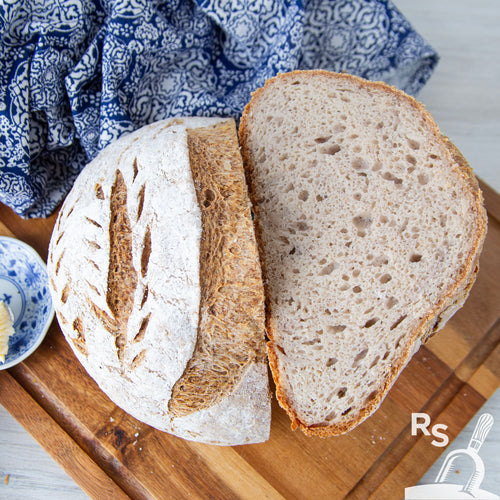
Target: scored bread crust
column 452, row 299
column 128, row 282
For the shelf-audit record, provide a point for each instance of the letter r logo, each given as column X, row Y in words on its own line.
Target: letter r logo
column 420, row 421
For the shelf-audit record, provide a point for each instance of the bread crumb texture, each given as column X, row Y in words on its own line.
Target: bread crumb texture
column 370, row 225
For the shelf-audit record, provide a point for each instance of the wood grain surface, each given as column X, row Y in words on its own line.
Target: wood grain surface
column 111, row 455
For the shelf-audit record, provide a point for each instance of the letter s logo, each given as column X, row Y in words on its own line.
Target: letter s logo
column 444, row 438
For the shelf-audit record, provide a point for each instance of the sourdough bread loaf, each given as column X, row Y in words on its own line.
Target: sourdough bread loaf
column 370, row 225
column 157, row 286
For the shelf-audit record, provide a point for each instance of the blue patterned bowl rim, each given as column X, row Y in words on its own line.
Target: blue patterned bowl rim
column 24, row 272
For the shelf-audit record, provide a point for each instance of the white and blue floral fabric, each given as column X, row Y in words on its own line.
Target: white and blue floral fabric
column 77, row 74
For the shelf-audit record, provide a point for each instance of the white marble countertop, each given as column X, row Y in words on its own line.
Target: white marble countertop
column 463, row 97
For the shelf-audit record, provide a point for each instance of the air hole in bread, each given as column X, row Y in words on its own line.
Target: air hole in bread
column 398, row 322
column 385, row 278
column 321, row 140
column 423, row 179
column 363, row 221
column 342, row 392
column 209, row 198
column 302, row 226
column 371, row 396
column 360, row 356
column 328, row 269
column 329, row 149
column 357, row 289
column 375, row 361
column 411, row 159
column 289, row 188
column 380, row 260
column 389, row 176
column 370, row 322
column 359, row 164
column 335, row 328
column 330, row 416
column 304, row 195
column 416, row 257
column 311, row 342
column 345, row 412
column 413, row 144
column 331, row 362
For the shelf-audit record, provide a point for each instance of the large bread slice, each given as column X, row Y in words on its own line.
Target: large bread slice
column 156, row 281
column 370, row 226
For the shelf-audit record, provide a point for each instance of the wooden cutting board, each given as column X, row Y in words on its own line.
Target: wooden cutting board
column 112, row 455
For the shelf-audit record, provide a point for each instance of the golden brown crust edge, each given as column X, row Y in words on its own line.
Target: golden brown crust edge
column 435, row 320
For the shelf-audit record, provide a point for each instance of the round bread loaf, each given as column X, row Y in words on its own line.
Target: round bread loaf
column 156, row 282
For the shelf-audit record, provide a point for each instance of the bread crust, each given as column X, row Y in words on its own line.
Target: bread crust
column 451, row 300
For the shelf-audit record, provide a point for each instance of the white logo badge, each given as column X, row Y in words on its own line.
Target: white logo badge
column 444, row 487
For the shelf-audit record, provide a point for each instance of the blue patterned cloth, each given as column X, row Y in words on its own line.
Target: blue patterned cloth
column 75, row 75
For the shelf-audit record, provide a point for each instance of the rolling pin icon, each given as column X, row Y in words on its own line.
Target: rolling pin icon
column 481, row 430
